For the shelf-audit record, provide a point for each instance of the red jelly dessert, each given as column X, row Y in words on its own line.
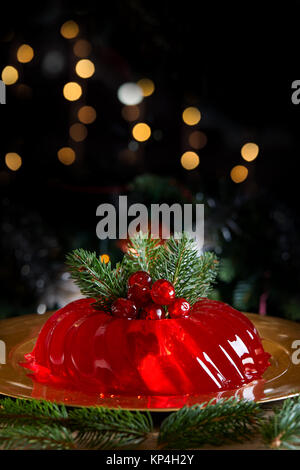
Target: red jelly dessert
column 215, row 349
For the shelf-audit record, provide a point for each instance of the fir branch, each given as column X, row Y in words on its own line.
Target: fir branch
column 215, row 424
column 39, row 424
column 179, row 262
column 29, row 437
column 119, row 427
column 97, row 279
column 143, row 252
column 282, row 429
column 15, row 411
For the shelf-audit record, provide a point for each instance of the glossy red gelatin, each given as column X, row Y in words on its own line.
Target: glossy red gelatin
column 216, row 349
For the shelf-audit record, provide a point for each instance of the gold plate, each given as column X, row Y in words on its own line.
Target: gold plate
column 281, row 380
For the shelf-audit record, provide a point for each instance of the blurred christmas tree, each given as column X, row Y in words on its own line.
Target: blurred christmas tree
column 254, row 236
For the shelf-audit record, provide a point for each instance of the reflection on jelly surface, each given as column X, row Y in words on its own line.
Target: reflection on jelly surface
column 216, row 349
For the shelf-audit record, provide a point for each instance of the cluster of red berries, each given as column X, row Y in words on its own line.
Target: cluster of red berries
column 145, row 300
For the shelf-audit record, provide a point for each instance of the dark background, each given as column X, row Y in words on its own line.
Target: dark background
column 48, row 208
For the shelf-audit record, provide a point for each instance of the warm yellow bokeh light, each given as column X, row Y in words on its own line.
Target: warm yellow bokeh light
column 66, row 155
column 9, row 75
column 72, row 91
column 85, row 68
column 191, row 116
column 197, row 140
column 190, row 160
column 147, row 86
column 78, row 132
column 82, row 48
column 239, row 173
column 130, row 113
column 13, row 161
column 87, row 114
column 141, row 132
column 69, row 29
column 249, row 151
column 25, row 53
column 104, row 258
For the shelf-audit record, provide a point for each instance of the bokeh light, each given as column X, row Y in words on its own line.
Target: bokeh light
column 87, row 114
column 141, row 132
column 69, row 29
column 147, row 86
column 13, row 161
column 104, row 258
column 130, row 94
column 249, row 151
column 190, row 160
column 72, row 91
column 85, row 68
column 9, row 75
column 66, row 155
column 78, row 132
column 191, row 116
column 82, row 48
column 239, row 173
column 25, row 53
column 130, row 113
column 197, row 140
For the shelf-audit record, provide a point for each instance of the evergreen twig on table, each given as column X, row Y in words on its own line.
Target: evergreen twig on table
column 282, row 429
column 210, row 423
column 35, row 424
column 38, row 424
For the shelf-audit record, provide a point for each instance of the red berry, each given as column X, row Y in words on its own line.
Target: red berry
column 162, row 292
column 179, row 308
column 152, row 311
column 139, row 294
column 140, row 277
column 124, row 308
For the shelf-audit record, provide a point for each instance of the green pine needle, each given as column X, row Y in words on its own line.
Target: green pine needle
column 37, row 424
column 142, row 253
column 215, row 424
column 177, row 260
column 34, row 424
column 97, row 279
column 180, row 263
column 282, row 429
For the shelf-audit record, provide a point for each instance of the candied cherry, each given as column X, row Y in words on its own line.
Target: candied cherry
column 139, row 294
column 140, row 277
column 162, row 292
column 124, row 308
column 179, row 308
column 152, row 311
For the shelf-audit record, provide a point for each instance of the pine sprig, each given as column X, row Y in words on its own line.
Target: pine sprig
column 97, row 279
column 38, row 424
column 43, row 437
column 179, row 262
column 282, row 429
column 143, row 252
column 118, row 427
column 215, row 424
